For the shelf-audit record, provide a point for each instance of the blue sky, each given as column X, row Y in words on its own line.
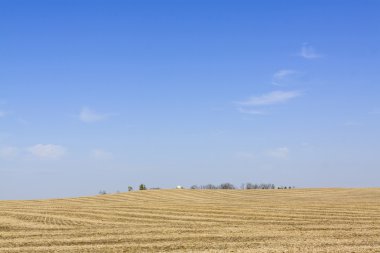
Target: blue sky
column 105, row 94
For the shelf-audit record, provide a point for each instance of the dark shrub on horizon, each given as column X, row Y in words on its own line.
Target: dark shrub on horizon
column 226, row 186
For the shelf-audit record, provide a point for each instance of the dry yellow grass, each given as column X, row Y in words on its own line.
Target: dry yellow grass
column 299, row 220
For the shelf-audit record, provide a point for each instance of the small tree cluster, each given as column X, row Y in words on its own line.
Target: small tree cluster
column 226, row 186
column 102, row 192
column 213, row 187
column 142, row 187
column 249, row 186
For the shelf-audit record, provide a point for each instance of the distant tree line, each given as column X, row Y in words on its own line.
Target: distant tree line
column 102, row 192
column 212, row 186
column 246, row 186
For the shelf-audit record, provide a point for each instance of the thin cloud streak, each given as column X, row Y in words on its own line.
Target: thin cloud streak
column 280, row 153
column 309, row 52
column 283, row 76
column 100, row 154
column 250, row 111
column 88, row 116
column 272, row 98
column 47, row 151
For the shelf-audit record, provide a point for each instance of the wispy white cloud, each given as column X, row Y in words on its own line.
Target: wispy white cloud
column 275, row 97
column 8, row 152
column 282, row 75
column 282, row 153
column 309, row 52
column 47, row 151
column 87, row 115
column 251, row 111
column 100, row 154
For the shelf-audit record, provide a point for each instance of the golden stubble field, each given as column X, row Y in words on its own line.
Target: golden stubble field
column 297, row 220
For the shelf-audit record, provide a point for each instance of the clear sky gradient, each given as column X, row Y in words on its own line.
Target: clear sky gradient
column 98, row 95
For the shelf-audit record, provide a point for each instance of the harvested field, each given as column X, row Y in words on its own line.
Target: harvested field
column 297, row 220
